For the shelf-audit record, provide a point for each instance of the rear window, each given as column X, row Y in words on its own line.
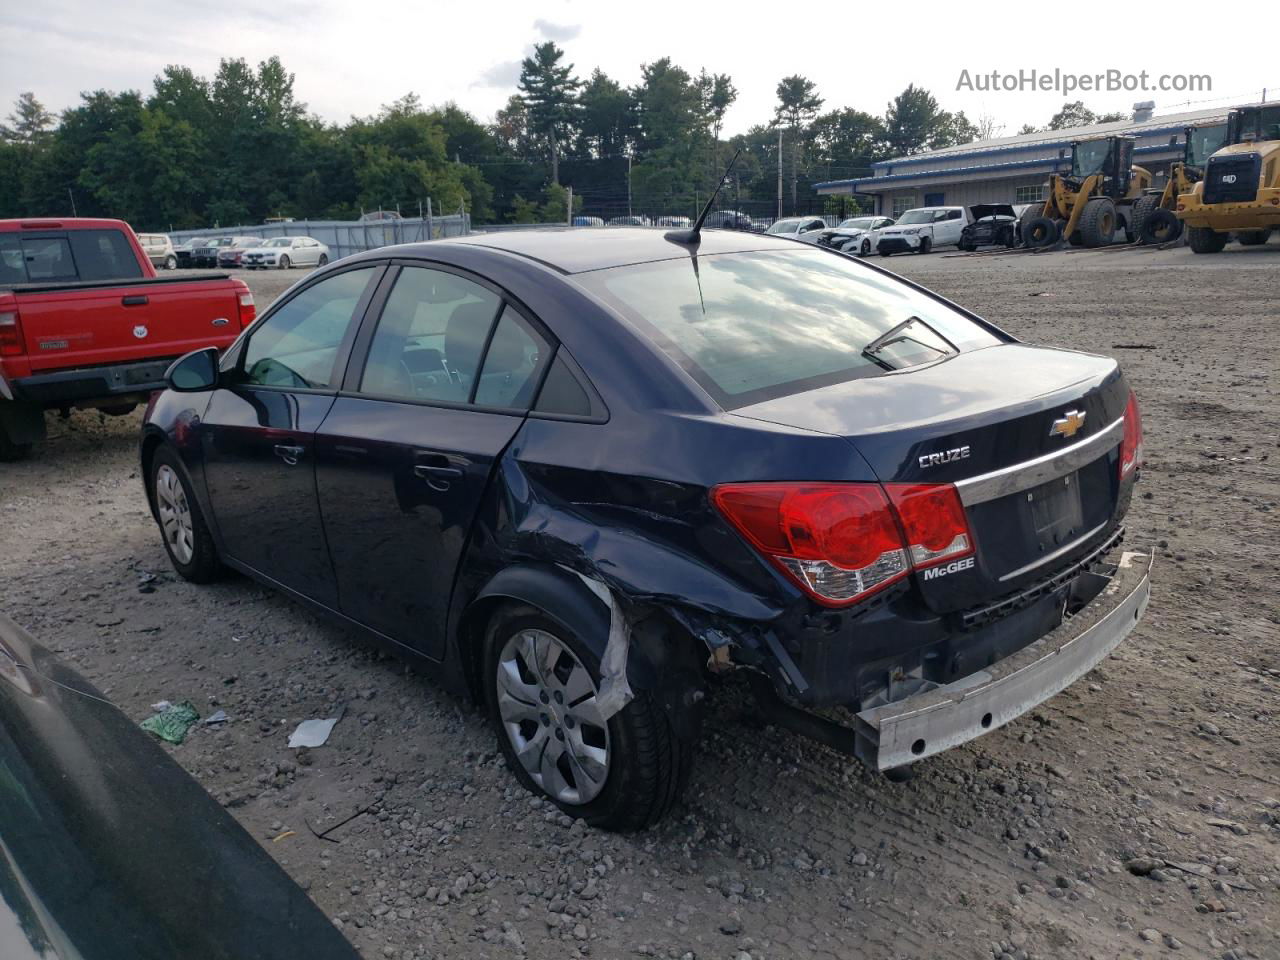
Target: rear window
column 753, row 326
column 103, row 255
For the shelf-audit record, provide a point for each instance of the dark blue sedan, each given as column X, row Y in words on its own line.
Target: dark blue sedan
column 578, row 473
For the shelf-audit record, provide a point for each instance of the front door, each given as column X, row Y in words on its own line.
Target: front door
column 258, row 433
column 407, row 451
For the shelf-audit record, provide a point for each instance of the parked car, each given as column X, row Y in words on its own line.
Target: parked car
column 990, row 224
column 85, row 322
column 284, row 252
column 808, row 229
column 669, row 221
column 729, row 220
column 231, row 255
column 567, row 476
column 588, row 222
column 184, row 250
column 855, row 235
column 112, row 850
column 207, row 255
column 375, row 215
column 159, row 250
column 629, row 222
column 922, row 229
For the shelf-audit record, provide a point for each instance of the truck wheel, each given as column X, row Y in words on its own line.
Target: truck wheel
column 11, row 452
column 1098, row 223
column 1205, row 240
column 186, row 536
column 1252, row 238
column 1161, row 227
column 1141, row 210
column 925, row 245
column 1039, row 232
column 284, row 261
column 541, row 684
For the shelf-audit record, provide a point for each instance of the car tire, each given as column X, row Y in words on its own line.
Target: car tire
column 1039, row 233
column 1206, row 240
column 1252, row 238
column 885, row 253
column 171, row 262
column 926, row 245
column 1160, row 226
column 966, row 246
column 324, row 258
column 865, row 249
column 11, row 452
column 185, row 534
column 1098, row 222
column 645, row 764
column 284, row 262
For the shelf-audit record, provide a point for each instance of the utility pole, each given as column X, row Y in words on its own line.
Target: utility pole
column 568, row 217
column 629, row 181
column 72, row 196
column 779, row 172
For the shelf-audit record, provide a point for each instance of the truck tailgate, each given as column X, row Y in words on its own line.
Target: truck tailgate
column 72, row 326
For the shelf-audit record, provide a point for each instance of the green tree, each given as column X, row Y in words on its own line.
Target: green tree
column 606, row 117
column 1075, row 114
column 912, row 121
column 846, row 142
column 798, row 104
column 30, row 121
column 549, row 93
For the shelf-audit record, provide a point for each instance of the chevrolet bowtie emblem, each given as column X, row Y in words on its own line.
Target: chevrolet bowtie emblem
column 1069, row 425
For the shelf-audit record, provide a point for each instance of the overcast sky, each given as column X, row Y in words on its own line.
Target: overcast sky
column 351, row 57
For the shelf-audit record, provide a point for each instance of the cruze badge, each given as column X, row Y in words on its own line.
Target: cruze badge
column 946, row 456
column 1068, row 425
column 140, row 332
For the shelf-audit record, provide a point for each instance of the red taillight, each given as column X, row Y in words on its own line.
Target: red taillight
column 1131, row 444
column 248, row 311
column 11, row 344
column 842, row 541
column 933, row 520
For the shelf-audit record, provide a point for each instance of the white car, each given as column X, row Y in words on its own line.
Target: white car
column 923, row 229
column 801, row 228
column 159, row 250
column 857, row 235
column 286, row 252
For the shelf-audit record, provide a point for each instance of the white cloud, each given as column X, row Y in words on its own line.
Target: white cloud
column 559, row 32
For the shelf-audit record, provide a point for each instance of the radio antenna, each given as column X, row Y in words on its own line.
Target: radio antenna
column 693, row 236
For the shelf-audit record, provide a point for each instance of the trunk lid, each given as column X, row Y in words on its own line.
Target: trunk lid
column 1036, row 496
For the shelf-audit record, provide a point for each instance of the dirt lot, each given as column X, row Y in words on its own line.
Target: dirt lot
column 1011, row 847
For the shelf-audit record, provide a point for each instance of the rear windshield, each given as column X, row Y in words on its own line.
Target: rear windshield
column 753, row 326
column 86, row 255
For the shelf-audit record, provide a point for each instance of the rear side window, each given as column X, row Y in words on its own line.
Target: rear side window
column 515, row 356
column 104, row 255
column 430, row 337
column 12, row 268
column 297, row 346
column 752, row 326
column 562, row 394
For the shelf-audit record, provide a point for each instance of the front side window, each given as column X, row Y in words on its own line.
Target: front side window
column 752, row 326
column 430, row 337
column 297, row 345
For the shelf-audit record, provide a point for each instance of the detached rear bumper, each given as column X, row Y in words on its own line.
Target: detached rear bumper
column 930, row 722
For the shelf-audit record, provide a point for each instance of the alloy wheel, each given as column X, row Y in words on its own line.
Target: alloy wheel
column 175, row 514
column 547, row 702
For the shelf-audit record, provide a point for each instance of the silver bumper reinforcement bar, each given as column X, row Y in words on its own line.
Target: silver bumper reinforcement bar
column 895, row 734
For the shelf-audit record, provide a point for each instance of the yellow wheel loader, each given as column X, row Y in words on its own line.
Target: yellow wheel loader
column 1240, row 192
column 1087, row 207
column 1154, row 217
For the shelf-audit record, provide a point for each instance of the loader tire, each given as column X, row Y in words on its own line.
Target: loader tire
column 1252, row 238
column 1161, row 227
column 1139, row 213
column 1205, row 240
column 1039, row 232
column 1098, row 223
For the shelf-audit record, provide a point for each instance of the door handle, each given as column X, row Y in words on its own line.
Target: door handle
column 437, row 478
column 137, row 300
column 289, row 453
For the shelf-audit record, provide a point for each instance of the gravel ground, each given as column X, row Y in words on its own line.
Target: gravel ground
column 1135, row 815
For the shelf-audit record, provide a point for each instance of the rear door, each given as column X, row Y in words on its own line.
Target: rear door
column 258, row 433
column 436, row 390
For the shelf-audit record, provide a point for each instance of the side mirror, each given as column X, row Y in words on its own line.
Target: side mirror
column 195, row 372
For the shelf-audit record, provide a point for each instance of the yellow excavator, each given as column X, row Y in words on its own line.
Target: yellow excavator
column 1096, row 199
column 1240, row 192
column 1154, row 217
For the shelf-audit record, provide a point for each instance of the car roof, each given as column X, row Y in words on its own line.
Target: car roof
column 577, row 251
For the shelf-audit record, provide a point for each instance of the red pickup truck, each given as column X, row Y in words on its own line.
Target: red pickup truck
column 85, row 322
